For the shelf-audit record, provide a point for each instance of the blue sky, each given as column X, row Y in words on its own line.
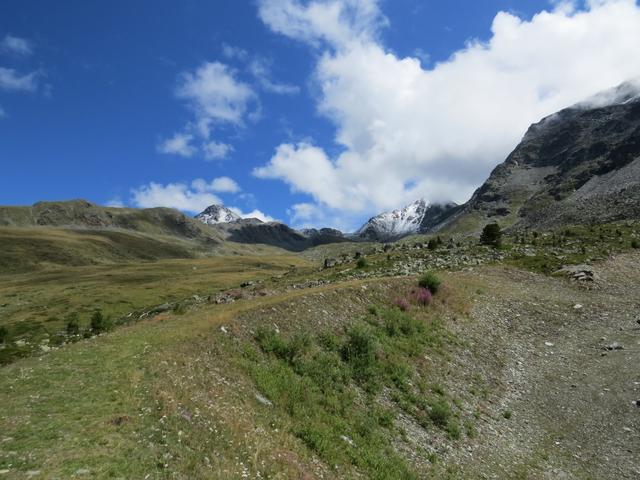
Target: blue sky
column 263, row 106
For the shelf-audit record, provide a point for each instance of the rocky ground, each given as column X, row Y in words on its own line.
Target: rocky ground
column 569, row 384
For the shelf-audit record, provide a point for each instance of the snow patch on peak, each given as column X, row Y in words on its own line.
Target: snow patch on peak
column 395, row 224
column 215, row 214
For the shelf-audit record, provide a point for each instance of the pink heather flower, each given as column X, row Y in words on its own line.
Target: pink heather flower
column 423, row 296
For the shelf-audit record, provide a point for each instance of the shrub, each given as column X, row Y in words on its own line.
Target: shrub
column 491, row 235
column 440, row 413
column 635, row 244
column 361, row 263
column 271, row 342
column 99, row 323
column 179, row 308
column 433, row 244
column 4, row 334
column 360, row 353
column 430, row 281
column 73, row 324
column 402, row 304
column 424, row 296
column 507, row 414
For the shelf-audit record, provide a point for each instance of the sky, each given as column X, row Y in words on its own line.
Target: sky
column 314, row 113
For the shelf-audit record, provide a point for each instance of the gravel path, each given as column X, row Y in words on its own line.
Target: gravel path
column 570, row 402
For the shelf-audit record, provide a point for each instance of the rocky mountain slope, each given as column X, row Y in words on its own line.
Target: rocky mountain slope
column 578, row 166
column 254, row 231
column 215, row 214
column 418, row 217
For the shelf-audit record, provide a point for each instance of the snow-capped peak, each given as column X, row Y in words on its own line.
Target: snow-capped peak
column 395, row 224
column 217, row 214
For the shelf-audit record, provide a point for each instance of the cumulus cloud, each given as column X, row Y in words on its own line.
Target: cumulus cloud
column 407, row 131
column 216, row 150
column 215, row 95
column 217, row 99
column 179, row 144
column 11, row 80
column 16, row 46
column 261, row 71
column 253, row 214
column 193, row 197
column 224, row 185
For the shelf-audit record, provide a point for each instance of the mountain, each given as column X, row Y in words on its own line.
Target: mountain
column 578, row 166
column 81, row 214
column 217, row 214
column 418, row 217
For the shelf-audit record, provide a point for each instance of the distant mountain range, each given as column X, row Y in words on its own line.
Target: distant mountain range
column 578, row 166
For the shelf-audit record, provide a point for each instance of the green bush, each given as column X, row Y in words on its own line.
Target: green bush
column 73, row 324
column 4, row 334
column 361, row 263
column 440, row 413
column 99, row 323
column 271, row 342
column 360, row 353
column 431, row 281
column 433, row 244
column 491, row 235
column 635, row 244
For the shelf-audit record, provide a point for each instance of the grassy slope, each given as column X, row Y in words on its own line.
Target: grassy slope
column 174, row 397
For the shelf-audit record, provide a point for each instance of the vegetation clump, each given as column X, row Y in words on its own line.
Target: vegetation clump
column 430, row 281
column 73, row 324
column 4, row 334
column 424, row 296
column 491, row 235
column 635, row 244
column 99, row 322
column 318, row 381
column 361, row 263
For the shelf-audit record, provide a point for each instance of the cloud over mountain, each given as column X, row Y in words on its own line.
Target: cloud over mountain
column 407, row 131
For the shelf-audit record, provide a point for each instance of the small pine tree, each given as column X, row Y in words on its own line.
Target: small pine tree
column 433, row 244
column 4, row 334
column 491, row 235
column 361, row 263
column 99, row 323
column 73, row 324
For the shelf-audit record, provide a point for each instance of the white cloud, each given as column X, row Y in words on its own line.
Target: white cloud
column 216, row 150
column 217, row 99
column 193, row 197
column 253, row 214
column 224, row 185
column 407, row 131
column 261, row 71
column 16, row 46
column 337, row 22
column 232, row 52
column 179, row 144
column 11, row 80
column 215, row 95
column 116, row 203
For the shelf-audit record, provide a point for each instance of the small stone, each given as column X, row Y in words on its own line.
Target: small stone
column 263, row 400
column 577, row 306
column 83, row 471
column 548, row 344
column 614, row 346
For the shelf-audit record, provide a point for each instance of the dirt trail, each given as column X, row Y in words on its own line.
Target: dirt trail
column 569, row 401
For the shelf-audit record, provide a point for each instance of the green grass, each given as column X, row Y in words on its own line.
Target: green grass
column 35, row 306
column 328, row 385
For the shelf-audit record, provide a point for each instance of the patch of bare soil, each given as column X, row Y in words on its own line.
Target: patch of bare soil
column 566, row 379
